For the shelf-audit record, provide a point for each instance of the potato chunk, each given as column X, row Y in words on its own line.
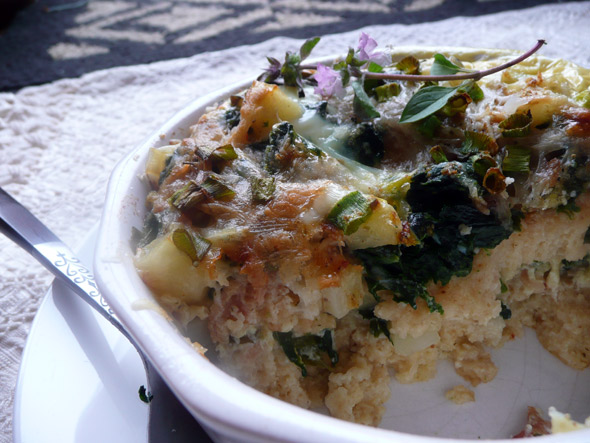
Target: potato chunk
column 381, row 228
column 264, row 105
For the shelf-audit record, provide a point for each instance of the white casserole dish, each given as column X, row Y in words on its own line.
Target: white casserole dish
column 233, row 411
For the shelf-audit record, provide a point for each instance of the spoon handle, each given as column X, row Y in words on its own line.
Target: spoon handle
column 22, row 227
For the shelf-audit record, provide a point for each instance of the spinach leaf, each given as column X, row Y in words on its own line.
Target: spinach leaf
column 308, row 349
column 442, row 209
column 378, row 326
column 365, row 144
column 284, row 146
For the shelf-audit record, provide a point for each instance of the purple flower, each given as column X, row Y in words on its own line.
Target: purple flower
column 329, row 81
column 366, row 47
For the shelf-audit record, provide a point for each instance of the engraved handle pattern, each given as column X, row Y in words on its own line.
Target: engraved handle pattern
column 73, row 269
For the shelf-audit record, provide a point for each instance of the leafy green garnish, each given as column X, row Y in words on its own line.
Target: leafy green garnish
column 290, row 69
column 517, row 159
column 350, row 212
column 363, row 106
column 191, row 244
column 443, row 66
column 144, row 395
column 308, row 349
column 378, row 326
column 517, row 125
column 428, row 100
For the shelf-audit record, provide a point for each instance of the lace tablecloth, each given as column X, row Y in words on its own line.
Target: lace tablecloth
column 58, row 142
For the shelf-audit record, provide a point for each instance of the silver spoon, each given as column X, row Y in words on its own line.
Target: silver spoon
column 169, row 421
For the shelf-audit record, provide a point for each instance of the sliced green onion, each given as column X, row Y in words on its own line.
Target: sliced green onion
column 482, row 162
column 217, row 189
column 456, row 104
column 478, row 142
column 191, row 244
column 226, row 152
column 438, row 155
column 409, row 65
column 350, row 212
column 517, row 159
column 188, row 196
column 387, row 91
column 517, row 125
column 494, row 181
column 262, row 188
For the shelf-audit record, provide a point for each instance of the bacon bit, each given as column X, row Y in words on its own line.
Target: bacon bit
column 535, row 426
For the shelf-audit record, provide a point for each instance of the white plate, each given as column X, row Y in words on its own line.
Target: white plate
column 79, row 376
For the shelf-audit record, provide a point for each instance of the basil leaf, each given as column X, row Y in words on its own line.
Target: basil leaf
column 307, row 47
column 362, row 102
column 428, row 100
column 443, row 66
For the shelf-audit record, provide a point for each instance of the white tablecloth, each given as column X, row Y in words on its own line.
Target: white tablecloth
column 58, row 142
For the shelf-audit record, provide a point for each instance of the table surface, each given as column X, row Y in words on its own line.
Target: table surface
column 59, row 141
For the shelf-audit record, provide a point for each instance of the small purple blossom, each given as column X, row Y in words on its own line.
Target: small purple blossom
column 329, row 81
column 366, row 47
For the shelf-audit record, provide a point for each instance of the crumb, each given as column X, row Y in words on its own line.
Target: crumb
column 460, row 394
